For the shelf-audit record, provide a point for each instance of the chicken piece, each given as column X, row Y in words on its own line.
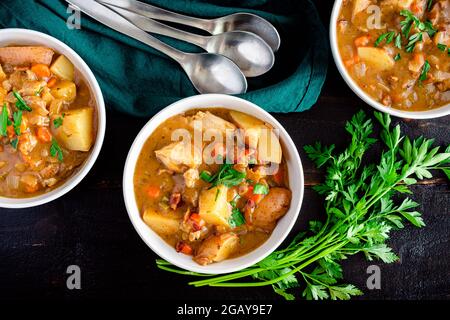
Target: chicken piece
column 216, row 248
column 274, row 205
column 210, row 121
column 32, row 88
column 179, row 155
column 190, row 177
column 27, row 142
column 50, row 171
column 29, row 183
column 442, row 37
column 416, row 63
column 26, row 55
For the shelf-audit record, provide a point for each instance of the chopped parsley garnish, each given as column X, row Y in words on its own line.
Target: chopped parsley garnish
column 260, row 189
column 4, row 121
column 226, row 176
column 205, row 176
column 17, row 116
column 406, row 26
column 398, row 41
column 397, row 57
column 429, row 5
column 236, row 219
column 21, row 104
column 14, row 142
column 425, row 69
column 412, row 41
column 59, row 121
column 388, row 36
column 55, row 150
column 441, row 46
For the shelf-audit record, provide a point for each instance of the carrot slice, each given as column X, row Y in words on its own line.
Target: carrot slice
column 51, row 82
column 153, row 191
column 41, row 70
column 44, row 134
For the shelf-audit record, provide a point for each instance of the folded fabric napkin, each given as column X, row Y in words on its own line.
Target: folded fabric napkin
column 138, row 80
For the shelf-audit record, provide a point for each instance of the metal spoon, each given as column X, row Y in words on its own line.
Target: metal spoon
column 252, row 55
column 209, row 73
column 237, row 21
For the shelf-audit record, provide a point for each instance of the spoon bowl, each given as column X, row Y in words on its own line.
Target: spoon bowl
column 234, row 22
column 213, row 73
column 251, row 53
column 250, row 23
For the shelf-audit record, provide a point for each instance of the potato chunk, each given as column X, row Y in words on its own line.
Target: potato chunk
column 271, row 208
column 63, row 68
column 76, row 131
column 217, row 248
column 210, row 121
column 377, row 58
column 179, row 155
column 165, row 224
column 259, row 136
column 26, row 55
column 269, row 148
column 214, row 207
column 65, row 90
column 2, row 74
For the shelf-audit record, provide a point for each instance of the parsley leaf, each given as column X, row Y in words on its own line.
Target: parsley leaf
column 17, row 116
column 14, row 142
column 388, row 36
column 397, row 57
column 226, row 176
column 441, row 46
column 58, row 122
column 4, row 121
column 236, row 219
column 55, row 150
column 260, row 189
column 20, row 103
column 424, row 74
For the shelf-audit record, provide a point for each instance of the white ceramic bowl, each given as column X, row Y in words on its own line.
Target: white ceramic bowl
column 434, row 113
column 30, row 37
column 296, row 183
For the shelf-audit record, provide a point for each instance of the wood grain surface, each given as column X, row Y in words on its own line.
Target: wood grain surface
column 89, row 226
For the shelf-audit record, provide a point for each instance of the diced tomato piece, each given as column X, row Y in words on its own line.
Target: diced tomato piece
column 184, row 248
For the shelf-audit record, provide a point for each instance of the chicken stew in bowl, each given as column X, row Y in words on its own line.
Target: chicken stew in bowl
column 47, row 125
column 213, row 199
column 398, row 51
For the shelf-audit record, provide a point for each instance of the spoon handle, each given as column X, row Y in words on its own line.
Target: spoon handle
column 154, row 12
column 150, row 25
column 122, row 25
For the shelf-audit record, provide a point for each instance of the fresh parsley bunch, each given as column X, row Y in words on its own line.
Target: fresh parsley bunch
column 360, row 214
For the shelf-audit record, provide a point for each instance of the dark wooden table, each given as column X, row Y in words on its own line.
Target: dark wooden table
column 89, row 226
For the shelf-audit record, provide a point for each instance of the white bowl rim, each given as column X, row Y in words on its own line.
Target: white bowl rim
column 428, row 114
column 47, row 40
column 136, row 218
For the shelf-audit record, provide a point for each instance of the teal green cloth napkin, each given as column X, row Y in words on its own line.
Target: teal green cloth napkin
column 138, row 80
